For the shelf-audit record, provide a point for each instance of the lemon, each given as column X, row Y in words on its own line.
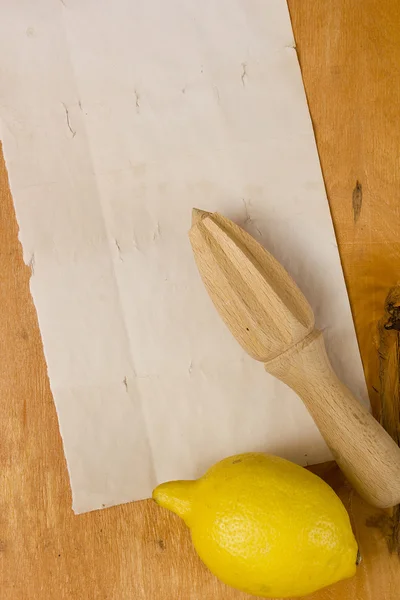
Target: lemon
column 265, row 525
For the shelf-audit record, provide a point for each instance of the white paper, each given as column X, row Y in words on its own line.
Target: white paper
column 117, row 118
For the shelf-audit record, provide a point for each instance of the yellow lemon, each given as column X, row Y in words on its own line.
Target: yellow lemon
column 265, row 525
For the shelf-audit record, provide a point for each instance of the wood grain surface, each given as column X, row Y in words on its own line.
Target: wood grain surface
column 270, row 318
column 350, row 56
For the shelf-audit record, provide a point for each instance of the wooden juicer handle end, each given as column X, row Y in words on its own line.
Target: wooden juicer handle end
column 269, row 316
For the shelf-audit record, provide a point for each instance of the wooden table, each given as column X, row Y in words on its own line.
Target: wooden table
column 350, row 56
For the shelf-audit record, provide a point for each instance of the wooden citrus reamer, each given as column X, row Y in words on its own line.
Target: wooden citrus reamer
column 269, row 316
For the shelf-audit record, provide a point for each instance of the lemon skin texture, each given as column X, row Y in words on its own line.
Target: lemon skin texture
column 266, row 526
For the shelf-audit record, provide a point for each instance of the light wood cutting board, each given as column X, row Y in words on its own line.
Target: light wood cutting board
column 349, row 52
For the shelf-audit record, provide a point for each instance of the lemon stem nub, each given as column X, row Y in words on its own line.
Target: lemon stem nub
column 176, row 496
